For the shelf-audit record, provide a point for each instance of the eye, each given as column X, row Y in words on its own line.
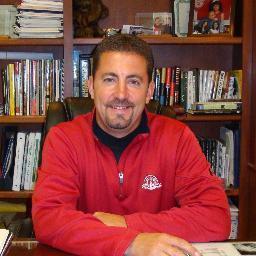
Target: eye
column 134, row 82
column 109, row 80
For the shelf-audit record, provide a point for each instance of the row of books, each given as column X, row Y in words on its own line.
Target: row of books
column 174, row 85
column 20, row 160
column 28, row 86
column 224, row 154
column 177, row 86
column 39, row 19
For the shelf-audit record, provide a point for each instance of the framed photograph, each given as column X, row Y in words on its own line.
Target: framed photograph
column 212, row 17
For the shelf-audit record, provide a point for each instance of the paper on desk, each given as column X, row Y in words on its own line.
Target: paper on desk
column 227, row 249
column 3, row 236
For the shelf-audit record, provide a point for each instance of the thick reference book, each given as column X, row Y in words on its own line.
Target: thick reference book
column 5, row 240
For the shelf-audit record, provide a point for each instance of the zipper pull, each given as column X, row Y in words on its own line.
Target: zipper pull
column 121, row 182
column 121, row 177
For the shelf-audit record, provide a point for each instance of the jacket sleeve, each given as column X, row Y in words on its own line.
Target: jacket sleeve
column 202, row 213
column 57, row 222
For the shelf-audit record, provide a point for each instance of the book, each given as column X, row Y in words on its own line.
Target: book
column 228, row 137
column 217, row 105
column 76, row 73
column 84, row 74
column 157, row 80
column 5, row 240
column 162, row 86
column 19, row 156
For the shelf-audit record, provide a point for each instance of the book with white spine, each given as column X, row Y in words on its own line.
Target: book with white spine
column 29, row 161
column 20, row 146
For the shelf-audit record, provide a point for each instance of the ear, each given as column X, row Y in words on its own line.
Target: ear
column 150, row 91
column 90, row 87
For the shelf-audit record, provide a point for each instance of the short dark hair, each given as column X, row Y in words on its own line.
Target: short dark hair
column 124, row 43
column 215, row 3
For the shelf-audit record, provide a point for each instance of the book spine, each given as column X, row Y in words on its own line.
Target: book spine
column 12, row 88
column 62, row 80
column 183, row 89
column 172, row 87
column 21, row 89
column 18, row 161
column 76, row 73
column 36, row 151
column 1, row 95
column 220, row 84
column 33, row 88
column 84, row 73
column 24, row 164
column 177, row 85
column 28, row 85
column 29, row 162
column 17, row 88
column 47, row 84
column 168, row 86
column 157, row 81
column 162, row 86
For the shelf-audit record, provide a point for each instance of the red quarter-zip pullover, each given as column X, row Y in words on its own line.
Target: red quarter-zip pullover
column 162, row 183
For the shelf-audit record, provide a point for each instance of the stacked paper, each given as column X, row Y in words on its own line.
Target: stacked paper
column 40, row 19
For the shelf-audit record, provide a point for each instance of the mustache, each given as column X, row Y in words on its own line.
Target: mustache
column 120, row 103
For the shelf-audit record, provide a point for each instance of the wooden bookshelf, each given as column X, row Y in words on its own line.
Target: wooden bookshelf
column 208, row 118
column 183, row 118
column 30, row 42
column 15, row 194
column 22, row 119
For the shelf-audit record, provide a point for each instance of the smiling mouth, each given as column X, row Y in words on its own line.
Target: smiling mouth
column 120, row 107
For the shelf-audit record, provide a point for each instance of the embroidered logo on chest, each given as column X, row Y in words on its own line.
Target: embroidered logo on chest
column 151, row 182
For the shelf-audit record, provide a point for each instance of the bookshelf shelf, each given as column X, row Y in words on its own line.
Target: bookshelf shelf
column 22, row 119
column 173, row 40
column 16, row 194
column 183, row 118
column 208, row 118
column 5, row 41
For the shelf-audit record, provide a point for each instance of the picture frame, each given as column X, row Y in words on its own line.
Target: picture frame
column 212, row 18
column 181, row 13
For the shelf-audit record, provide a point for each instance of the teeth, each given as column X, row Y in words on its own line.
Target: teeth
column 119, row 108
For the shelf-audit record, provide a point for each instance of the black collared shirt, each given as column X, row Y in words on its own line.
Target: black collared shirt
column 118, row 145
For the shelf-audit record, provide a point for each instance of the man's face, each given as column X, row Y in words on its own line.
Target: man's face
column 120, row 91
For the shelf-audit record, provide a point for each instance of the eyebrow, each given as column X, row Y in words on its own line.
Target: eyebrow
column 128, row 77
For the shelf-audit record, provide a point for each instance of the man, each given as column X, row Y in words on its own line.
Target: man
column 122, row 181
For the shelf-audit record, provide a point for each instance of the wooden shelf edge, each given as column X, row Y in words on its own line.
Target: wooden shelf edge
column 30, row 41
column 183, row 118
column 209, row 117
column 16, row 194
column 22, row 119
column 168, row 39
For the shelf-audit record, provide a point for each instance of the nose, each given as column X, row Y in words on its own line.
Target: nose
column 121, row 90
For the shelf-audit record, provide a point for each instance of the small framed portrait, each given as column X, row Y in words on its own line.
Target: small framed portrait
column 212, row 17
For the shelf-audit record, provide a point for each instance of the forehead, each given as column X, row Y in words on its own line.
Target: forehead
column 122, row 60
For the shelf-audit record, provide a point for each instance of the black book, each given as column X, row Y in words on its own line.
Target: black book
column 85, row 67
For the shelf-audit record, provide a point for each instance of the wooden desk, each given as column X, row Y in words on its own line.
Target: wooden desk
column 29, row 248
